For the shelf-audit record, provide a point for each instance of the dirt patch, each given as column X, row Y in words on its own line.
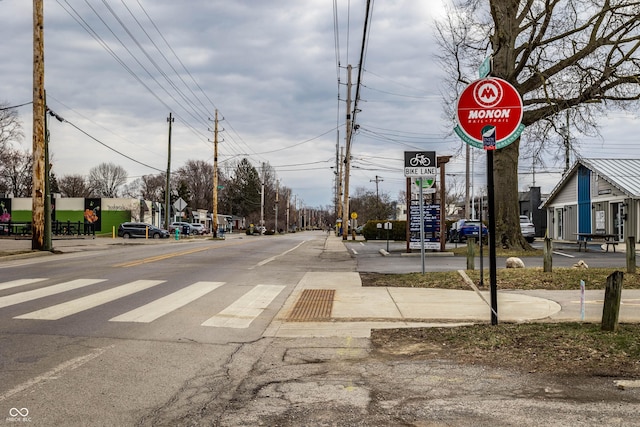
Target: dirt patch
column 561, row 349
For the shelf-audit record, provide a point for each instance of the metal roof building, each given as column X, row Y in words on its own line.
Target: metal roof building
column 596, row 196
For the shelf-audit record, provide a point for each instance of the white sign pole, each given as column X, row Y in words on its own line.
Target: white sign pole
column 422, row 225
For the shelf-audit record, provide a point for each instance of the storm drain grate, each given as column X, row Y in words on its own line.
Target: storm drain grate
column 313, row 305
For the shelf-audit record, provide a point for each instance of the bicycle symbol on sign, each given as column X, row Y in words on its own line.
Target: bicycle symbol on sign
column 420, row 160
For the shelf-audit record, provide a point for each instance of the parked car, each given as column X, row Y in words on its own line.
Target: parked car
column 141, row 229
column 465, row 228
column 527, row 228
column 181, row 225
column 198, row 228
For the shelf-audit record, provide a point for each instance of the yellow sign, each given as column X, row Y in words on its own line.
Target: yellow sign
column 354, row 215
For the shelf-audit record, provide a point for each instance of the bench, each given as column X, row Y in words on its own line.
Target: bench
column 607, row 239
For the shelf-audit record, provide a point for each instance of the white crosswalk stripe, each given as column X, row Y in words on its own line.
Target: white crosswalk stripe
column 47, row 291
column 19, row 282
column 158, row 308
column 247, row 308
column 81, row 304
column 239, row 314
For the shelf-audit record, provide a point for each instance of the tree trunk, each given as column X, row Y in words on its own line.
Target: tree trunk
column 505, row 173
column 507, row 209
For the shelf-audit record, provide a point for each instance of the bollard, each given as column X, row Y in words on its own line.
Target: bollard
column 631, row 254
column 471, row 249
column 177, row 233
column 612, row 297
column 548, row 251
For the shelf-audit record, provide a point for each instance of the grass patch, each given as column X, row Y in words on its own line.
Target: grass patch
column 507, row 278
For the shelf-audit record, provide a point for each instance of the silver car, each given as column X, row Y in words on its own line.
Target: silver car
column 527, row 228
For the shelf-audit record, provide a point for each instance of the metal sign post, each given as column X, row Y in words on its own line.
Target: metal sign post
column 489, row 116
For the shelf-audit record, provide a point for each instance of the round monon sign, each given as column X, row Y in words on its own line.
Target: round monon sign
column 489, row 114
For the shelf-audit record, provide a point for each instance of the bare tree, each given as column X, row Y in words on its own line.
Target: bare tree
column 106, row 179
column 15, row 172
column 197, row 176
column 73, row 186
column 10, row 127
column 575, row 57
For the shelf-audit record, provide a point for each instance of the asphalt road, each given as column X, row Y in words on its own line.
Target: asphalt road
column 369, row 259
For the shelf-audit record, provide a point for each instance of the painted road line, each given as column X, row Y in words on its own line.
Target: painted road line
column 19, row 282
column 68, row 308
column 160, row 257
column 158, row 308
column 247, row 308
column 268, row 260
column 175, row 254
column 56, row 372
column 45, row 292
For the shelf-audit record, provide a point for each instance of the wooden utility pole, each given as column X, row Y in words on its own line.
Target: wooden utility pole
column 215, row 177
column 38, row 192
column 347, row 161
column 276, row 206
column 340, row 163
column 167, row 191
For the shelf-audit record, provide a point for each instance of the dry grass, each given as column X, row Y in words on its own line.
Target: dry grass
column 576, row 349
column 507, row 278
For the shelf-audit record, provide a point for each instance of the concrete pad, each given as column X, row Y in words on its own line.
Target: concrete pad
column 445, row 304
column 514, row 307
column 329, row 280
column 364, row 303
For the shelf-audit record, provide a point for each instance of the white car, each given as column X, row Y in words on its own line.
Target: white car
column 197, row 228
column 527, row 228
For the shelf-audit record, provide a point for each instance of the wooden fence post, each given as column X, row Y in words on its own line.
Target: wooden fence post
column 547, row 260
column 631, row 254
column 612, row 297
column 471, row 253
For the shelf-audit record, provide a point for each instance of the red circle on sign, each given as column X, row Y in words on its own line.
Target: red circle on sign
column 489, row 102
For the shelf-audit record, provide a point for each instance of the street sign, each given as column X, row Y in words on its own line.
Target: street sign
column 179, row 204
column 489, row 114
column 354, row 215
column 485, row 67
column 420, row 163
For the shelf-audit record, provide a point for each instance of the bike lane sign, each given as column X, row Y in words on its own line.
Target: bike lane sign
column 419, row 163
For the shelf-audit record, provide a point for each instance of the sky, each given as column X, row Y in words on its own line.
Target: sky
column 276, row 72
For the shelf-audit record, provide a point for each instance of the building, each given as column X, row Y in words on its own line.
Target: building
column 596, row 196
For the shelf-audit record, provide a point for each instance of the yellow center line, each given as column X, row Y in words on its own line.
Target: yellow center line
column 172, row 255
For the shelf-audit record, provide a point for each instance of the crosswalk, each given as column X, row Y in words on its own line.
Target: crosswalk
column 239, row 314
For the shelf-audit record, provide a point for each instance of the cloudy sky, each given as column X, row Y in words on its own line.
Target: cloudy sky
column 115, row 69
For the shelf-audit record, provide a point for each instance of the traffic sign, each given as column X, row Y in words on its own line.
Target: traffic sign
column 489, row 114
column 485, row 67
column 420, row 163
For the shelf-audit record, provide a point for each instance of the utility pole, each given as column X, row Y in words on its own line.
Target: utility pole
column 215, row 177
column 262, row 200
column 340, row 186
column 377, row 181
column 347, row 160
column 276, row 207
column 47, row 246
column 167, row 199
column 38, row 180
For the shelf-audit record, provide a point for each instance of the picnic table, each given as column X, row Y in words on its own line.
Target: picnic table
column 608, row 239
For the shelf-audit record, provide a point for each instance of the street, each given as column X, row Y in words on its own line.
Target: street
column 176, row 333
column 82, row 334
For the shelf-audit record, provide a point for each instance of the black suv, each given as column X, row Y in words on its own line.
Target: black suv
column 139, row 229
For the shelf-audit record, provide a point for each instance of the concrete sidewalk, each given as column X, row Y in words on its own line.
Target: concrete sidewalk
column 356, row 310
